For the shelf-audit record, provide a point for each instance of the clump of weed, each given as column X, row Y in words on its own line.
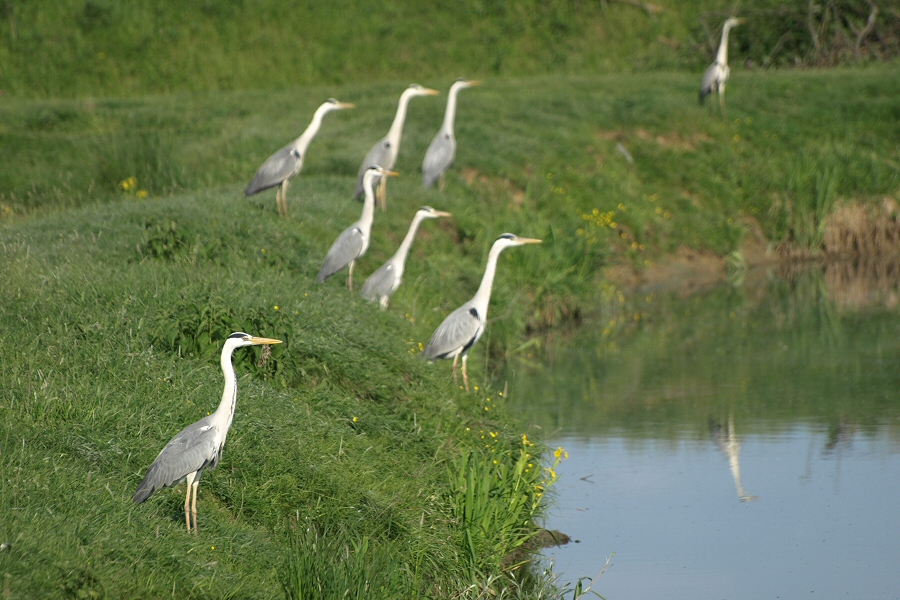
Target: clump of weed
column 197, row 327
column 165, row 239
column 496, row 497
column 800, row 213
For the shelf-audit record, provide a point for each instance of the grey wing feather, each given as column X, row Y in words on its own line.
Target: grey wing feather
column 438, row 157
column 709, row 79
column 282, row 165
column 191, row 450
column 380, row 283
column 346, row 248
column 458, row 331
column 378, row 156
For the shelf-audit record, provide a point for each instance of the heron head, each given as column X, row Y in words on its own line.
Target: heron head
column 426, row 212
column 240, row 339
column 418, row 90
column 465, row 83
column 376, row 171
column 507, row 240
column 333, row 104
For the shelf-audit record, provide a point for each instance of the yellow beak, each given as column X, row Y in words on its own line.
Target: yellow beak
column 346, row 105
column 259, row 341
column 441, row 213
column 387, row 173
column 430, row 92
column 529, row 240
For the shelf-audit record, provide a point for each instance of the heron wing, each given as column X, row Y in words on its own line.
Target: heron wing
column 191, row 450
column 457, row 333
column 381, row 155
column 349, row 246
column 380, row 283
column 438, row 157
column 282, row 165
column 711, row 79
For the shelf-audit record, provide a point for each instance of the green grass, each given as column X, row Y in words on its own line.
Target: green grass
column 109, row 350
column 113, row 305
column 539, row 152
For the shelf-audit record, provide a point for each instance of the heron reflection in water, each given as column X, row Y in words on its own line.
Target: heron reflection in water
column 727, row 441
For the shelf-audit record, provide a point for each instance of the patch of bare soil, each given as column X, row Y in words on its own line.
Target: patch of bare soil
column 495, row 187
column 672, row 140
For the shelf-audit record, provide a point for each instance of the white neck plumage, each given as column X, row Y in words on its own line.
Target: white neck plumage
column 396, row 130
column 450, row 113
column 368, row 211
column 722, row 56
column 225, row 413
column 403, row 250
column 303, row 142
column 483, row 296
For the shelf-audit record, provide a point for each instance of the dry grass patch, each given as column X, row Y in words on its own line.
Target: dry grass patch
column 856, row 229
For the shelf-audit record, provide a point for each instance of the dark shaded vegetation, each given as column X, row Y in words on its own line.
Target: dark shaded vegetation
column 100, row 48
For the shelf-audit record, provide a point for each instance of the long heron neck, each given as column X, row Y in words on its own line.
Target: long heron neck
column 483, row 296
column 397, row 126
column 450, row 113
column 403, row 250
column 225, row 412
column 722, row 56
column 311, row 130
column 368, row 211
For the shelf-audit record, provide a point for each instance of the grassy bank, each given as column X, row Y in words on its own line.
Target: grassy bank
column 535, row 153
column 115, row 299
column 110, row 345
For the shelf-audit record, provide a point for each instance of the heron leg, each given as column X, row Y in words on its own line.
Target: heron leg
column 187, row 500
column 441, row 182
column 350, row 276
column 465, row 373
column 455, row 376
column 187, row 508
column 381, row 193
column 284, row 187
column 722, row 100
column 384, row 302
column 195, row 485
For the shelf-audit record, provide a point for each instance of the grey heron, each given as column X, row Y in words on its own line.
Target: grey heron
column 463, row 327
column 354, row 241
column 442, row 150
column 198, row 446
column 381, row 284
column 281, row 167
column 717, row 74
column 384, row 153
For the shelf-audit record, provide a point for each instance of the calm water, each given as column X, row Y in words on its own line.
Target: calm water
column 742, row 442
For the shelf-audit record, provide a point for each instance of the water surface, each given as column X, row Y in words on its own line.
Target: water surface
column 742, row 442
